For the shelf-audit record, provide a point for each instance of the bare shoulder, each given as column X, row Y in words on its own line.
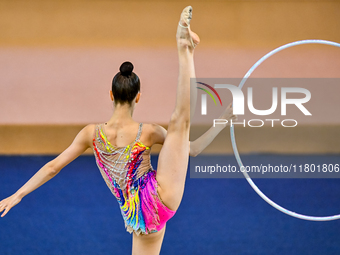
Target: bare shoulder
column 87, row 133
column 89, row 130
column 155, row 133
column 153, row 128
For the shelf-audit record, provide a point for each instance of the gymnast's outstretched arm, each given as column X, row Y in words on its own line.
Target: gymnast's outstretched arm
column 197, row 146
column 82, row 141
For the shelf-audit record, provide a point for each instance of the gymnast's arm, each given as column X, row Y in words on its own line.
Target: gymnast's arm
column 82, row 141
column 197, row 146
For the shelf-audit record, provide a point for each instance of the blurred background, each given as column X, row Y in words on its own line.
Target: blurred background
column 57, row 60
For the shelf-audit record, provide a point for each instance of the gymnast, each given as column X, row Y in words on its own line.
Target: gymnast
column 147, row 198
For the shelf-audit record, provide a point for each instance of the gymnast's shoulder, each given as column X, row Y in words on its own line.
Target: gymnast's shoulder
column 154, row 133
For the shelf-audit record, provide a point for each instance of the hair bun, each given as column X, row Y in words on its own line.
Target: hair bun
column 126, row 68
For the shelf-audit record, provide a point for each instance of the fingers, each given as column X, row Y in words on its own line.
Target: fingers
column 3, row 207
column 8, row 203
column 233, row 117
column 229, row 107
column 6, row 211
column 228, row 112
column 2, row 204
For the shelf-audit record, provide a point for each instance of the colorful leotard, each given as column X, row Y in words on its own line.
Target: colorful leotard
column 129, row 175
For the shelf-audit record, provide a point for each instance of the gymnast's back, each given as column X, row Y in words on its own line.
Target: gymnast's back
column 122, row 155
column 120, row 152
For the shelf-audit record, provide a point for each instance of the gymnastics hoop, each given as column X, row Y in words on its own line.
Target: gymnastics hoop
column 233, row 141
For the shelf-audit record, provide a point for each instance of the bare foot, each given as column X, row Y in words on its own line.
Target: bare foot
column 185, row 37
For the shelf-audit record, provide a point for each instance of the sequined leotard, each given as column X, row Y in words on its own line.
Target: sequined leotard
column 128, row 173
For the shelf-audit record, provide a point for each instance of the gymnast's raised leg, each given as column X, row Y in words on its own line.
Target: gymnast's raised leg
column 174, row 156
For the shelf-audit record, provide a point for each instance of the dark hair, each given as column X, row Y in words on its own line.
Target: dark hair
column 125, row 84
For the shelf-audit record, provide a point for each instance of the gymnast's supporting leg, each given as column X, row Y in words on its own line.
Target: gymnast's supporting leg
column 173, row 158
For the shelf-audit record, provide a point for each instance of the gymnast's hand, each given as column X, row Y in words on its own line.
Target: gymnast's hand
column 228, row 114
column 7, row 203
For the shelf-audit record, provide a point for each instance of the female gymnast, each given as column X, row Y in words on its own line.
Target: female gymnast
column 147, row 199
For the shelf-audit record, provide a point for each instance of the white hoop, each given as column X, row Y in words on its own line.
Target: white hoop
column 232, row 135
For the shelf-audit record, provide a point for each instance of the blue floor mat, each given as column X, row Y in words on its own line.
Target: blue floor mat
column 75, row 213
